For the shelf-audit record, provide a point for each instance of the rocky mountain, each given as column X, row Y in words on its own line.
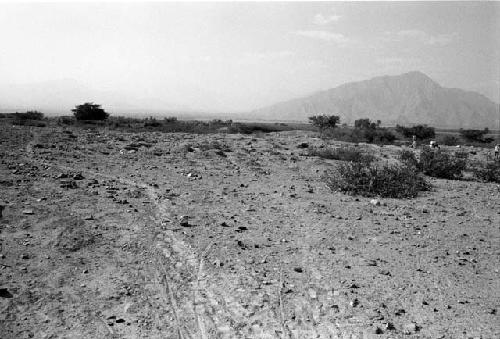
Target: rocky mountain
column 410, row 98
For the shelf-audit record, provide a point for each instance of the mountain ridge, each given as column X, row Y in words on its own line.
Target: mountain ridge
column 408, row 98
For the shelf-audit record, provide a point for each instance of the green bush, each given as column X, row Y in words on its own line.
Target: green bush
column 351, row 154
column 488, row 171
column 372, row 179
column 439, row 164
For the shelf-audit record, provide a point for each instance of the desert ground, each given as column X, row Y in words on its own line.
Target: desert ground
column 107, row 234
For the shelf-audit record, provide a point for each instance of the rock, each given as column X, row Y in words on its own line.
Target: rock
column 88, row 217
column 224, row 224
column 312, row 293
column 28, row 211
column 25, row 256
column 68, row 184
column 119, row 321
column 2, row 207
column 61, row 176
column 298, row 269
column 303, row 145
column 378, row 330
column 354, row 302
column 400, row 312
column 78, row 177
column 410, row 328
column 4, row 293
column 375, row 202
column 184, row 220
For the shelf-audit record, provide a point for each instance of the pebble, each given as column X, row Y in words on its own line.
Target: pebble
column 410, row 328
column 375, row 202
column 28, row 211
column 298, row 269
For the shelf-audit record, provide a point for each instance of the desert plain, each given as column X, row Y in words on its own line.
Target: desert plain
column 107, row 234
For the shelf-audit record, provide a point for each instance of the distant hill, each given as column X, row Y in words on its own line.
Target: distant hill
column 410, row 98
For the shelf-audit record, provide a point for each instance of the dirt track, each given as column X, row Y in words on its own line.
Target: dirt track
column 269, row 251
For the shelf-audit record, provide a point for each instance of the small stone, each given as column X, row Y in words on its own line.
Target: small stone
column 354, row 302
column 88, row 217
column 119, row 321
column 378, row 330
column 375, row 202
column 184, row 220
column 298, row 269
column 28, row 211
column 25, row 256
column 410, row 328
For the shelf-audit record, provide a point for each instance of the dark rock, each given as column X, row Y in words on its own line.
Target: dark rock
column 298, row 269
column 4, row 293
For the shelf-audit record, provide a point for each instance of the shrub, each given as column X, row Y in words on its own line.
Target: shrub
column 443, row 165
column 488, row 171
column 408, row 158
column 422, row 132
column 371, row 179
column 378, row 135
column 29, row 115
column 152, row 122
column 344, row 133
column 448, row 140
column 342, row 153
column 65, row 120
column 474, row 134
column 89, row 111
column 324, row 122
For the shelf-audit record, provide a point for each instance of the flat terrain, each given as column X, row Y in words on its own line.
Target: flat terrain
column 149, row 235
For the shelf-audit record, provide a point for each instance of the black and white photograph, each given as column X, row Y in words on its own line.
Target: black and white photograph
column 249, row 169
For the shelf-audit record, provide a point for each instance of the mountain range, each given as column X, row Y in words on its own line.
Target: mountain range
column 409, row 98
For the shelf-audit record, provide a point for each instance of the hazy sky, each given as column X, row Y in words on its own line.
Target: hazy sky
column 240, row 56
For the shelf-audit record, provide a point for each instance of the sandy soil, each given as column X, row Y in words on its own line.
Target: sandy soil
column 134, row 235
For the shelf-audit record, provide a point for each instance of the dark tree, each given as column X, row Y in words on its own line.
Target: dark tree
column 324, row 122
column 89, row 111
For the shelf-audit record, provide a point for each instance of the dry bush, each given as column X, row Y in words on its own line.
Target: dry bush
column 342, row 153
column 440, row 164
column 488, row 171
column 372, row 179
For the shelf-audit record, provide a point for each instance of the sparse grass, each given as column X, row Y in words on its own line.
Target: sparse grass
column 372, row 179
column 351, row 154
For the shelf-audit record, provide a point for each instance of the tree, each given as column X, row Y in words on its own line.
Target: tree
column 89, row 111
column 366, row 124
column 324, row 121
